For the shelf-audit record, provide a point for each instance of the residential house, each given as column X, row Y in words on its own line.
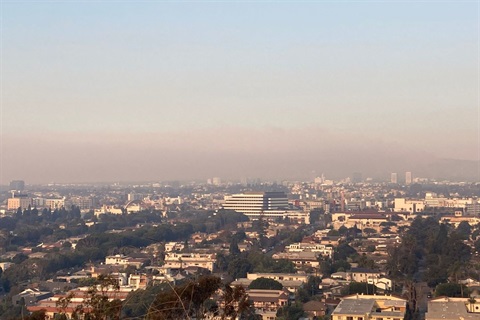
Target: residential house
column 175, row 260
column 315, row 309
column 29, row 297
column 370, row 276
column 370, row 307
column 300, row 259
column 453, row 309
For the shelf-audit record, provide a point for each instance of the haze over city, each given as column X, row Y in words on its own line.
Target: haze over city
column 109, row 91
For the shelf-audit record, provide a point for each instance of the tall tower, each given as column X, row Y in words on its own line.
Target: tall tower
column 17, row 185
column 393, row 177
column 408, row 177
column 357, row 177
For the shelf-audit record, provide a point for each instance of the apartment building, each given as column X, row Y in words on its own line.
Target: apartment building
column 324, row 250
column 19, row 201
column 300, row 259
column 265, row 205
column 122, row 260
column 52, row 309
column 268, row 300
column 254, row 203
column 453, row 309
column 175, row 260
column 371, row 277
column 360, row 219
column 290, row 281
column 408, row 205
column 370, row 307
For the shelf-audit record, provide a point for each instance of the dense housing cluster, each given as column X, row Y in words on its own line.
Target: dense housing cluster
column 346, row 250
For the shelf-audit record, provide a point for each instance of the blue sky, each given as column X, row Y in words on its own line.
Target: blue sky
column 402, row 74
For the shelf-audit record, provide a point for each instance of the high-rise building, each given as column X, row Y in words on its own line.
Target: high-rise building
column 135, row 196
column 357, row 177
column 408, row 177
column 393, row 178
column 17, row 185
column 267, row 205
column 22, row 201
column 256, row 202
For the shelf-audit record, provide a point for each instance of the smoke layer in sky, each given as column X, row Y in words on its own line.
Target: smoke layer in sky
column 102, row 91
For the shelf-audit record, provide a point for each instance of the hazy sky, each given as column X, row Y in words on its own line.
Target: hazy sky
column 108, row 91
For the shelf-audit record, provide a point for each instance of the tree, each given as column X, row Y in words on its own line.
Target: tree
column 293, row 312
column 464, row 229
column 310, row 289
column 477, row 245
column 234, row 250
column 19, row 258
column 342, row 230
column 239, row 267
column 193, row 300
column 184, row 301
column 450, row 290
column 137, row 303
column 365, row 262
column 265, row 283
column 369, row 231
column 359, row 287
column 344, row 251
column 98, row 303
column 235, row 303
column 37, row 315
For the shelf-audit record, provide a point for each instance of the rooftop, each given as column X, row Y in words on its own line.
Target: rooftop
column 354, row 307
column 451, row 310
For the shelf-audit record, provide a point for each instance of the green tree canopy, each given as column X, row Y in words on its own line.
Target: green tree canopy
column 451, row 290
column 359, row 287
column 265, row 283
column 293, row 312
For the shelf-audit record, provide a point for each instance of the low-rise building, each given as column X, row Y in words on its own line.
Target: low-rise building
column 290, row 281
column 300, row 259
column 138, row 281
column 408, row 205
column 370, row 307
column 458, row 217
column 79, row 295
column 29, row 297
column 453, row 309
column 324, row 250
column 315, row 309
column 19, row 201
column 174, row 246
column 279, row 276
column 175, row 260
column 370, row 276
column 122, row 260
column 268, row 300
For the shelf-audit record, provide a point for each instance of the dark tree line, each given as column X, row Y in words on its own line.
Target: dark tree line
column 437, row 247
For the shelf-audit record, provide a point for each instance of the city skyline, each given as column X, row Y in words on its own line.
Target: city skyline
column 158, row 91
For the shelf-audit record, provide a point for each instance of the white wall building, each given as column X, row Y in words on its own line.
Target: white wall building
column 324, row 250
column 183, row 260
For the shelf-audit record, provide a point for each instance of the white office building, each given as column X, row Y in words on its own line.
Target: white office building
column 256, row 202
column 265, row 205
